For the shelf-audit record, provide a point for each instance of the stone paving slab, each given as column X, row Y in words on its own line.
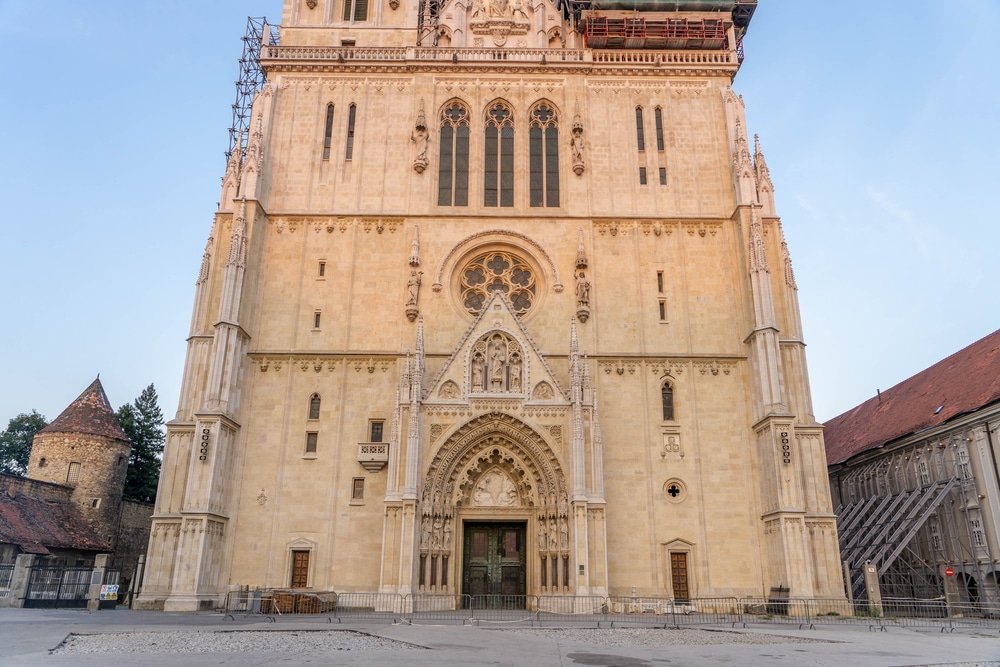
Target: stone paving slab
column 28, row 637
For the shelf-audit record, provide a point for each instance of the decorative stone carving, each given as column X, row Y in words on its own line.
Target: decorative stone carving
column 495, row 489
column 543, row 391
column 498, row 271
column 497, row 364
column 420, row 137
column 499, row 20
column 413, row 294
column 581, row 253
column 311, row 4
column 449, row 390
column 577, row 145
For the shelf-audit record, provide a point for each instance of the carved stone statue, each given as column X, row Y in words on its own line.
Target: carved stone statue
column 497, row 359
column 553, row 538
column 515, row 373
column 420, row 137
column 478, row 9
column 582, row 291
column 413, row 287
column 576, row 147
column 447, row 534
column 563, row 533
column 542, row 542
column 425, row 533
column 499, row 8
column 477, row 372
column 517, row 7
column 436, row 534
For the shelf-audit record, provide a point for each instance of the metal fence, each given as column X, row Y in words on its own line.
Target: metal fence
column 58, row 587
column 6, row 574
column 611, row 611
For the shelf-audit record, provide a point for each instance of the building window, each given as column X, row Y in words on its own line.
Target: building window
column 375, row 430
column 667, row 397
column 322, row 269
column 42, row 462
column 964, row 472
column 659, row 282
column 978, row 537
column 498, row 187
column 543, row 150
column 312, row 438
column 314, row 403
column 663, row 310
column 642, row 175
column 95, row 503
column 300, row 569
column 328, row 134
column 640, row 133
column 497, row 272
column 316, row 319
column 453, row 167
column 73, row 474
column 355, row 10
column 358, row 489
column 658, row 115
column 935, row 532
column 925, row 474
column 351, row 114
column 663, row 175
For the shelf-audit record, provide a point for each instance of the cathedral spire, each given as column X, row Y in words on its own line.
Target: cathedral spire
column 760, row 165
column 756, row 250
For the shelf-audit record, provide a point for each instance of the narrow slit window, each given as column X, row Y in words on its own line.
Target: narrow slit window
column 314, row 405
column 659, row 282
column 322, row 269
column 351, row 114
column 658, row 115
column 316, row 319
column 663, row 175
column 312, row 440
column 642, row 176
column 663, row 310
column 640, row 133
column 328, row 134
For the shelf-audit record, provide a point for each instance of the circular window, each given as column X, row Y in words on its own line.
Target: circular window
column 674, row 490
column 497, row 271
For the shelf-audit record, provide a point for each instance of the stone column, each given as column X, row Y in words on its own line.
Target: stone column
column 96, row 581
column 19, row 581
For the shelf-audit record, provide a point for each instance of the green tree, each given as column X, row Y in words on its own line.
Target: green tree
column 142, row 421
column 15, row 442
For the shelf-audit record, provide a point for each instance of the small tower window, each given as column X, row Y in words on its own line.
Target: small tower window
column 663, row 175
column 642, row 175
column 358, row 488
column 316, row 319
column 95, row 503
column 659, row 282
column 322, row 269
column 375, row 430
column 42, row 462
column 312, row 440
column 667, row 396
column 73, row 474
column 663, row 310
column 314, row 403
column 121, row 460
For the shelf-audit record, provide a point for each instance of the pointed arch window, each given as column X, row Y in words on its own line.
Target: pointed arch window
column 314, row 403
column 498, row 188
column 328, row 133
column 667, row 397
column 658, row 115
column 640, row 132
column 453, row 165
column 543, row 150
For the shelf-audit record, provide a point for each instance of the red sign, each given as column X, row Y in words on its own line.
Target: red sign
column 949, row 572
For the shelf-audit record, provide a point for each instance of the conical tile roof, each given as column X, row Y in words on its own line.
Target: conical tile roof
column 90, row 413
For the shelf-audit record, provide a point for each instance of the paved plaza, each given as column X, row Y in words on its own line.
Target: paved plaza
column 80, row 638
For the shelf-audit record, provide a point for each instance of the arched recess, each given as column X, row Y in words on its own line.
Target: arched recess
column 496, row 236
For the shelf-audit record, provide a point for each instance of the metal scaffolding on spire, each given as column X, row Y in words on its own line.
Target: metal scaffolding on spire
column 251, row 80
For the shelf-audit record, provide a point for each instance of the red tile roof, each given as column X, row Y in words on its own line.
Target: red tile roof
column 37, row 524
column 956, row 385
column 90, row 413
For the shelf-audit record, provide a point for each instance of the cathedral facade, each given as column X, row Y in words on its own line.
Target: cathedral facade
column 496, row 301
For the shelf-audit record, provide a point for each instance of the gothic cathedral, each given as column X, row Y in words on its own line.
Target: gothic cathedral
column 496, row 301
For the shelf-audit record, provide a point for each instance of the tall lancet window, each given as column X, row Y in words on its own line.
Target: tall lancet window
column 543, row 150
column 498, row 188
column 667, row 396
column 453, row 169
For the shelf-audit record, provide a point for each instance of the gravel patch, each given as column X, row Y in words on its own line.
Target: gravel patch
column 226, row 642
column 650, row 637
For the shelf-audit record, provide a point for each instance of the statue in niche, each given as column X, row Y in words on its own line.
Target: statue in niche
column 478, row 8
column 582, row 291
column 447, row 534
column 477, row 372
column 436, row 534
column 420, row 137
column 553, row 537
column 425, row 533
column 576, row 147
column 563, row 533
column 541, row 533
column 499, row 8
column 497, row 361
column 413, row 287
column 515, row 372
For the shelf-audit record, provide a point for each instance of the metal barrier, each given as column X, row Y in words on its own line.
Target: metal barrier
column 6, row 575
column 58, row 587
column 613, row 611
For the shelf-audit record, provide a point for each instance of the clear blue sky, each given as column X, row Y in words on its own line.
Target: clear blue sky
column 879, row 121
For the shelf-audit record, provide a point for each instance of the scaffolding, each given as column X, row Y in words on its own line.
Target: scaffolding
column 250, row 81
column 601, row 32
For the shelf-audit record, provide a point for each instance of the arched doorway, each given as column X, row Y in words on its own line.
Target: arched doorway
column 496, row 486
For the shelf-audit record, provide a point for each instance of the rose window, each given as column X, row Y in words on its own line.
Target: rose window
column 497, row 272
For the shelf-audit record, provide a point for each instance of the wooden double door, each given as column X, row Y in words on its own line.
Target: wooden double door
column 493, row 563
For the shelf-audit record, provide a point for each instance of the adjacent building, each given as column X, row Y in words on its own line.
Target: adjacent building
column 913, row 471
column 496, row 301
